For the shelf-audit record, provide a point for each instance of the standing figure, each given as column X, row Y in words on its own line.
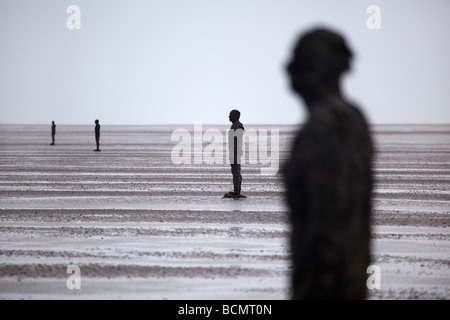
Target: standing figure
column 235, row 139
column 53, row 133
column 97, row 135
column 328, row 177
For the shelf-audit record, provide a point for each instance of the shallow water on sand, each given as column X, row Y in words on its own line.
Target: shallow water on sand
column 140, row 226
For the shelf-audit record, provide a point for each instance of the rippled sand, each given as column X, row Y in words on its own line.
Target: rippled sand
column 141, row 227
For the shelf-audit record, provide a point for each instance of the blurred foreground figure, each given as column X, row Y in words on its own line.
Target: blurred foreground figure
column 97, row 135
column 53, row 133
column 235, row 137
column 328, row 177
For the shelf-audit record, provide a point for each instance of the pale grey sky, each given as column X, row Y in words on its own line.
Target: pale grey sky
column 181, row 61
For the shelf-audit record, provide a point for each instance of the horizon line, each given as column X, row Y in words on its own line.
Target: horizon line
column 216, row 124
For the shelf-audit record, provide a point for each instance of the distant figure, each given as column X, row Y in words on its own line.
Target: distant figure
column 53, row 133
column 97, row 135
column 235, row 137
column 328, row 177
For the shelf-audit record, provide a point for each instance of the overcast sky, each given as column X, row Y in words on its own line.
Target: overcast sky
column 181, row 61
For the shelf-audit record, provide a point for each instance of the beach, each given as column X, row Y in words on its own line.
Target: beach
column 138, row 225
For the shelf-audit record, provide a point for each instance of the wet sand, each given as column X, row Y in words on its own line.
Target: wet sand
column 141, row 227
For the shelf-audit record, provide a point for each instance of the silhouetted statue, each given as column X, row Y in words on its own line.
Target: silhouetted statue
column 235, row 139
column 97, row 135
column 328, row 177
column 53, row 133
